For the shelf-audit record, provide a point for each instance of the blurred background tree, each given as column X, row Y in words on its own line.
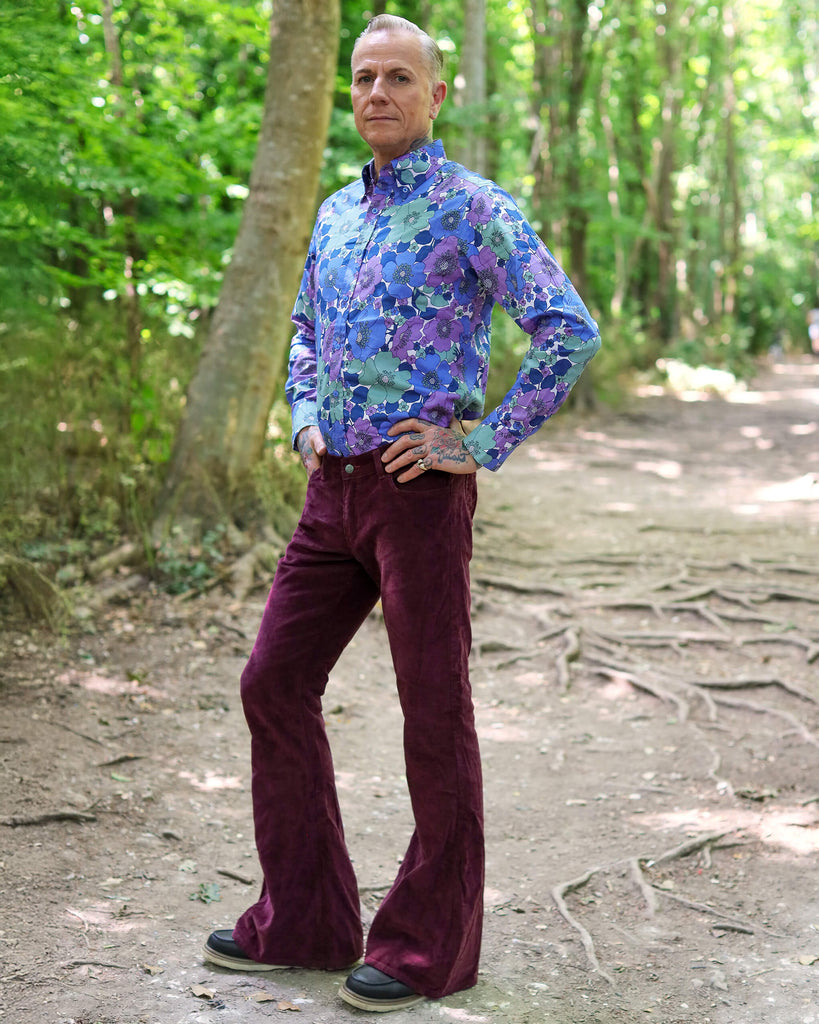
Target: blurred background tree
column 668, row 152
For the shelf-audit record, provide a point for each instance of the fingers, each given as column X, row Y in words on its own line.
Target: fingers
column 403, row 426
column 311, row 447
column 421, row 446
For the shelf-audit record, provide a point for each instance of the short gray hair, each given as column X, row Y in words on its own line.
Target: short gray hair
column 430, row 51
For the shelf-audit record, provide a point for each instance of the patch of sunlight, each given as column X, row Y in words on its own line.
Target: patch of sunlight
column 112, row 918
column 620, row 506
column 346, row 780
column 803, row 488
column 501, row 732
column 546, row 461
column 623, row 443
column 455, row 1013
column 793, row 829
column 212, row 781
column 617, row 689
column 693, row 383
column 666, row 468
column 810, row 395
column 96, row 683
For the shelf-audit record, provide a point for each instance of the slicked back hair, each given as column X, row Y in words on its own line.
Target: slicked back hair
column 432, row 56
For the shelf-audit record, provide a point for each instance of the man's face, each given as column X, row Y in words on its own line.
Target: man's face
column 394, row 100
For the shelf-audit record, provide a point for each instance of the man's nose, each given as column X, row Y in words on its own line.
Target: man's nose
column 379, row 89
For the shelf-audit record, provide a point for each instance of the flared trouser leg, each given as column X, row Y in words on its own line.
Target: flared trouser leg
column 308, row 913
column 362, row 534
column 427, row 932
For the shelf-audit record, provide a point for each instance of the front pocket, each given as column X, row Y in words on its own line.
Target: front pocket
column 431, row 481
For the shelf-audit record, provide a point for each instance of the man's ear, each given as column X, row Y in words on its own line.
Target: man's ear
column 438, row 94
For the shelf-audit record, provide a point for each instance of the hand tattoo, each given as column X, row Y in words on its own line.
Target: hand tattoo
column 449, row 447
column 305, row 447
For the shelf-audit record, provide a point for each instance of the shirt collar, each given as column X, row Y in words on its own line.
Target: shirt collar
column 404, row 175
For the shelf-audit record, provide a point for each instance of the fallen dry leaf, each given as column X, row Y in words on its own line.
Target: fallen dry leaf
column 261, row 997
column 201, row 992
column 284, row 1005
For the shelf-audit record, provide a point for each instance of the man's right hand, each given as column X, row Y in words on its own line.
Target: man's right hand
column 311, row 448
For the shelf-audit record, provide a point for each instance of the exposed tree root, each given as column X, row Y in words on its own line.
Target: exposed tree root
column 41, row 600
column 686, row 849
column 704, row 908
column 516, row 586
column 648, row 891
column 570, row 653
column 763, row 709
column 558, row 894
column 741, row 684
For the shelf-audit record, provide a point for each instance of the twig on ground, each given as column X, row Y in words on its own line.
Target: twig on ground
column 227, row 873
column 93, row 963
column 74, row 732
column 45, row 819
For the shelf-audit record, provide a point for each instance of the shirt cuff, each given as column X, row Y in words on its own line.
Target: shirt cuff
column 304, row 415
column 479, row 442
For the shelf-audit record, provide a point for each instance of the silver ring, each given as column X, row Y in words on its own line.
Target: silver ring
column 421, row 464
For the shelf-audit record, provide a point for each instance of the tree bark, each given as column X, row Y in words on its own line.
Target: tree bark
column 222, row 433
column 473, row 69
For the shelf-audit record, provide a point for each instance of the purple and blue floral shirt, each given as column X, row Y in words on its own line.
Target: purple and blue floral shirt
column 393, row 316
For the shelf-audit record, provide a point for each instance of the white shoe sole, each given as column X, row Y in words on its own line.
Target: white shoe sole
column 378, row 1005
column 235, row 963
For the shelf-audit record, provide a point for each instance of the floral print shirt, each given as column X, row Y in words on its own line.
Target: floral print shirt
column 393, row 316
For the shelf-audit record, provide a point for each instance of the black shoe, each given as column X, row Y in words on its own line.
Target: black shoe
column 370, row 989
column 220, row 949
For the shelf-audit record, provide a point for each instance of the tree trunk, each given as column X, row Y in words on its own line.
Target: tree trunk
column 473, row 69
column 733, row 198
column 546, row 27
column 222, row 434
column 577, row 216
column 128, row 207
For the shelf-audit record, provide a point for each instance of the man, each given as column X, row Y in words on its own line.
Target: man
column 390, row 354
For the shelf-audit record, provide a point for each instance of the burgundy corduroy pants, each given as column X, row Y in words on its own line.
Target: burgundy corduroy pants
column 363, row 536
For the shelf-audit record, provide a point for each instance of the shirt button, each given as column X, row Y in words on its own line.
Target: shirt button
column 349, row 469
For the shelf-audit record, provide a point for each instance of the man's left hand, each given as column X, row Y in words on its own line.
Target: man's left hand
column 421, row 446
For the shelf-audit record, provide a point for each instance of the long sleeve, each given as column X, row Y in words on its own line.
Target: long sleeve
column 302, row 378
column 516, row 269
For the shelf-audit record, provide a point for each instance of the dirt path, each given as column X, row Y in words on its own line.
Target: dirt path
column 646, row 678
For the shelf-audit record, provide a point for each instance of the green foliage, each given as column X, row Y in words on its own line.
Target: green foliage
column 192, row 568
column 682, row 165
column 727, row 349
column 207, row 892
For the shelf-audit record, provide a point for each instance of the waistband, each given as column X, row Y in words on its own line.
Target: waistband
column 346, row 466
